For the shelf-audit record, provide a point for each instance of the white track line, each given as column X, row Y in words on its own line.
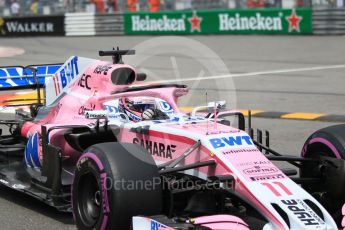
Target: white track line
column 251, row 74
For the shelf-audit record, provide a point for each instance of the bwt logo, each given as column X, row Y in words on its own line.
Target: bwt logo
column 230, row 141
column 157, row 226
column 69, row 72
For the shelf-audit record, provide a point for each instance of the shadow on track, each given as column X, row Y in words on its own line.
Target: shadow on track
column 35, row 205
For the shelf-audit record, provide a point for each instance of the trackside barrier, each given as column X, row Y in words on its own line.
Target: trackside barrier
column 109, row 24
column 186, row 22
column 329, row 21
column 90, row 24
column 79, row 24
column 32, row 26
column 225, row 21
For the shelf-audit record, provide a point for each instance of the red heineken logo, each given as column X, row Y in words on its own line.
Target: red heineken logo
column 195, row 22
column 294, row 21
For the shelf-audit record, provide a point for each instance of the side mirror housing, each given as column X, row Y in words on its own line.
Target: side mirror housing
column 217, row 104
column 141, row 76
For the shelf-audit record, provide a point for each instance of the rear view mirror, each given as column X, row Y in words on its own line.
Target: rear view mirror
column 210, row 107
column 141, row 76
column 217, row 104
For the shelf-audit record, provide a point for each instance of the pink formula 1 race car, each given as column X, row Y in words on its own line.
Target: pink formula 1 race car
column 121, row 156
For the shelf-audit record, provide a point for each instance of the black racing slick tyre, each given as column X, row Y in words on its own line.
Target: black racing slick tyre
column 327, row 142
column 112, row 183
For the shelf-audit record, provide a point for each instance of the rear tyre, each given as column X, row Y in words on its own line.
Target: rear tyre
column 329, row 142
column 112, row 183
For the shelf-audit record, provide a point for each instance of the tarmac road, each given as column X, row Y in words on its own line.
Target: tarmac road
column 312, row 80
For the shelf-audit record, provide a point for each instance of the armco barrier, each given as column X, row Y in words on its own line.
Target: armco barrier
column 229, row 21
column 329, row 21
column 86, row 24
column 109, row 24
column 79, row 24
column 32, row 26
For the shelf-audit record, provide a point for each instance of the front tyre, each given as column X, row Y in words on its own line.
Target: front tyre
column 326, row 142
column 112, row 183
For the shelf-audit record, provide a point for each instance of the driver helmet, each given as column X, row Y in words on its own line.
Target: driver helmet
column 134, row 107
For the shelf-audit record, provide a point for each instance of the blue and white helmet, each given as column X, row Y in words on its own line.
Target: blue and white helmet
column 134, row 107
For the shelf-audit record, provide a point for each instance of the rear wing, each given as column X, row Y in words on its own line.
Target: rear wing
column 55, row 78
column 66, row 75
column 22, row 77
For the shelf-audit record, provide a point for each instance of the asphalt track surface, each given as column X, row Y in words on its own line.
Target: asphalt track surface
column 312, row 81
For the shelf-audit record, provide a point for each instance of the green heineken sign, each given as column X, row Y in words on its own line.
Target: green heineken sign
column 253, row 21
column 164, row 23
column 258, row 22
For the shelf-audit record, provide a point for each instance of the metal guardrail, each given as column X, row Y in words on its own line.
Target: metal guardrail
column 80, row 24
column 109, row 24
column 326, row 21
column 329, row 21
column 90, row 24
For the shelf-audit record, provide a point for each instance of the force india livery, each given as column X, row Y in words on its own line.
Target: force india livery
column 91, row 148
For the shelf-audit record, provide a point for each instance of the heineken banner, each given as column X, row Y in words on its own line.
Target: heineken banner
column 249, row 21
